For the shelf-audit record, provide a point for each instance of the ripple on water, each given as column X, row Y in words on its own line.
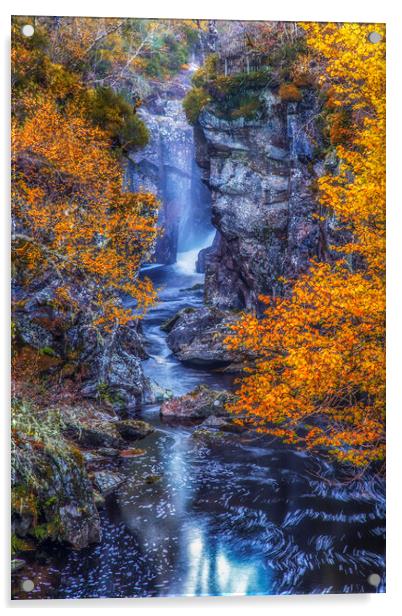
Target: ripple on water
column 216, row 521
column 243, row 517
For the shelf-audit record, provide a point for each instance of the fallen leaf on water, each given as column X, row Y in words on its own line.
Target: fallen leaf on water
column 131, row 453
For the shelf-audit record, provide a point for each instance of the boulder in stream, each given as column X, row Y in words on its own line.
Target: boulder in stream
column 154, row 393
column 196, row 336
column 200, row 403
column 107, row 482
column 103, row 433
column 211, row 436
column 224, row 424
column 133, row 429
column 100, row 434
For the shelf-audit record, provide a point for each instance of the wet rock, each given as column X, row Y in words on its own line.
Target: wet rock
column 132, row 453
column 206, row 254
column 214, row 422
column 150, row 479
column 223, row 424
column 110, row 366
column 100, row 454
column 115, row 373
column 74, row 532
column 133, row 429
column 102, row 434
column 155, row 393
column 211, row 436
column 90, row 456
column 197, row 336
column 99, row 500
column 103, row 437
column 108, row 452
column 107, row 482
column 201, row 259
column 198, row 404
column 168, row 325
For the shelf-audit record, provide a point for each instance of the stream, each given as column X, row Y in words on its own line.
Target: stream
column 249, row 516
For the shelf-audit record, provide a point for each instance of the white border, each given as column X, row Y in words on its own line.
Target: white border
column 314, row 10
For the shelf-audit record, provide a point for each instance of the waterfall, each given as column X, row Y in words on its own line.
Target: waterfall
column 186, row 260
column 167, row 167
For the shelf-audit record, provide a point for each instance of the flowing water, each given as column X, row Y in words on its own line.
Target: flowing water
column 245, row 516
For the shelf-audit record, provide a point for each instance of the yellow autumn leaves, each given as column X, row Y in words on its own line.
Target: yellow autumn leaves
column 72, row 217
column 319, row 381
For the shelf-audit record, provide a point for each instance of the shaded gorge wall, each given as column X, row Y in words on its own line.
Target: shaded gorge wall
column 261, row 173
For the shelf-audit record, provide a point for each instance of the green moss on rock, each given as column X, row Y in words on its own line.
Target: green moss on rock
column 52, row 496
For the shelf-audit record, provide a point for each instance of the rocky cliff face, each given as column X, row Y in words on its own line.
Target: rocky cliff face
column 259, row 172
column 106, row 368
column 167, row 168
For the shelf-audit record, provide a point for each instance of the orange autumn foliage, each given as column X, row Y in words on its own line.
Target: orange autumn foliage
column 319, row 378
column 289, row 92
column 71, row 216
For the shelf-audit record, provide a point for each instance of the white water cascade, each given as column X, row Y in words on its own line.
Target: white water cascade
column 186, row 260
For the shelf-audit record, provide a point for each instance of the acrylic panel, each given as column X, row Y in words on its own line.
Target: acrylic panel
column 198, row 302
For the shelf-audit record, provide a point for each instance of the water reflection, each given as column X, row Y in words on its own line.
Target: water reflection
column 175, row 524
column 211, row 520
column 243, row 516
column 246, row 517
column 211, row 570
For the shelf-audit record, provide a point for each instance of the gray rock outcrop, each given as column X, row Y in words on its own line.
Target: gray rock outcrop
column 58, row 503
column 200, row 403
column 109, row 365
column 196, row 336
column 260, row 173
